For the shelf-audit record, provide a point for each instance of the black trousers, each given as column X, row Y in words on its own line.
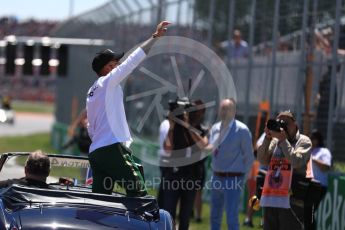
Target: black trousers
column 283, row 219
column 114, row 164
column 160, row 195
column 309, row 211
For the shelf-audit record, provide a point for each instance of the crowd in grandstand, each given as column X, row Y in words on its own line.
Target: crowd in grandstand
column 10, row 25
column 35, row 88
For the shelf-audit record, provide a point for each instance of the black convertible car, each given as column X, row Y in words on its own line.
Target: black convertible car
column 71, row 205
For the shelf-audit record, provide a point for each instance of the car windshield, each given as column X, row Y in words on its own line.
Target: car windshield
column 74, row 192
column 73, row 169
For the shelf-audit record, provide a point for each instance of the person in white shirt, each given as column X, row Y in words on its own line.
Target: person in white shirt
column 163, row 132
column 321, row 158
column 110, row 159
column 237, row 48
column 318, row 168
column 162, row 155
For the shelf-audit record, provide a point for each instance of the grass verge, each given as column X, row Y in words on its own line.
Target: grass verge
column 26, row 143
column 31, row 143
column 33, row 107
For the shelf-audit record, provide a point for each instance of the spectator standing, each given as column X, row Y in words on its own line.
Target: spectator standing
column 196, row 119
column 237, row 48
column 163, row 156
column 232, row 159
column 78, row 133
column 286, row 152
column 320, row 159
column 182, row 183
column 323, row 98
column 318, row 168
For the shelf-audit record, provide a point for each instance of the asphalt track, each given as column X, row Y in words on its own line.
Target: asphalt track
column 25, row 124
column 28, row 123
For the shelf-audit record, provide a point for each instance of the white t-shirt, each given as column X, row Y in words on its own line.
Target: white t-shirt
column 163, row 132
column 260, row 140
column 322, row 155
column 105, row 108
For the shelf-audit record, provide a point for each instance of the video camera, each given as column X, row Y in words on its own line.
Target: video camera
column 276, row 125
column 179, row 106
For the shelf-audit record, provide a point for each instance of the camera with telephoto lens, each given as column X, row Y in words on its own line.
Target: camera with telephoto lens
column 276, row 125
column 179, row 106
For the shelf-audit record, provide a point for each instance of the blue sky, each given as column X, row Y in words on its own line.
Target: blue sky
column 46, row 9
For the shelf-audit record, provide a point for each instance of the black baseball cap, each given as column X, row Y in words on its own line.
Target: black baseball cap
column 102, row 58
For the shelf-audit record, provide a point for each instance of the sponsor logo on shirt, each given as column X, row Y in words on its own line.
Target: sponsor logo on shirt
column 90, row 94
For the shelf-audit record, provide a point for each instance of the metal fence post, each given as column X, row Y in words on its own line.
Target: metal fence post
column 333, row 76
column 210, row 21
column 231, row 27
column 250, row 61
column 140, row 12
column 193, row 18
column 274, row 53
column 178, row 13
column 341, row 92
column 160, row 10
column 302, row 66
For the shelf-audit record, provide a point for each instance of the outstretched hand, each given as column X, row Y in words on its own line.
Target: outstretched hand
column 161, row 29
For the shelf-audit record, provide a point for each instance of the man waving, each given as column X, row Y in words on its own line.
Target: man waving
column 111, row 161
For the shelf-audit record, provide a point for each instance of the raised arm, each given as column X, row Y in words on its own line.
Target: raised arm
column 160, row 31
column 122, row 71
column 201, row 141
column 76, row 122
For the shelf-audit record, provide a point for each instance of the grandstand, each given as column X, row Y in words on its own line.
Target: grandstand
column 11, row 26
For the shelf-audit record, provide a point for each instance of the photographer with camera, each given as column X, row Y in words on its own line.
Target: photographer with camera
column 185, row 140
column 78, row 134
column 287, row 153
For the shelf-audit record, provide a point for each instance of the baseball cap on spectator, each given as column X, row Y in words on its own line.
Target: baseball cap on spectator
column 287, row 113
column 102, row 58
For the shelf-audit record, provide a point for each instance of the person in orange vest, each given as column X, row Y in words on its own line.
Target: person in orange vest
column 286, row 151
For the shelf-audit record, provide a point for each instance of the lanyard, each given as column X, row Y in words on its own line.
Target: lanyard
column 220, row 138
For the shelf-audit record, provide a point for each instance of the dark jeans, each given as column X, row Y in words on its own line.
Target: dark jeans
column 184, row 196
